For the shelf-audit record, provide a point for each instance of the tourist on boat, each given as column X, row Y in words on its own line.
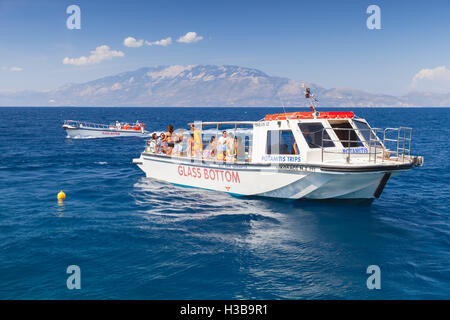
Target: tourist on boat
column 230, row 146
column 137, row 126
column 308, row 136
column 117, row 125
column 190, row 145
column 152, row 143
column 209, row 151
column 240, row 149
column 178, row 148
column 162, row 143
column 212, row 147
column 284, row 149
column 221, row 146
column 294, row 148
column 197, row 145
column 170, row 139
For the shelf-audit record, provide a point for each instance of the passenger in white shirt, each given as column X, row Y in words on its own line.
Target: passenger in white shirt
column 221, row 146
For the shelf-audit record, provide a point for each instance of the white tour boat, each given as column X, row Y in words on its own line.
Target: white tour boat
column 311, row 155
column 81, row 129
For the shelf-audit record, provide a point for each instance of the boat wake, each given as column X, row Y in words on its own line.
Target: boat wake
column 81, row 137
column 181, row 203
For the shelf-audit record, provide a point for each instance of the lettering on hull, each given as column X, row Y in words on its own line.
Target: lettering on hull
column 355, row 150
column 281, row 158
column 111, row 133
column 215, row 175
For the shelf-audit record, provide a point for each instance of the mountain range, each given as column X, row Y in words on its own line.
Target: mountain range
column 208, row 85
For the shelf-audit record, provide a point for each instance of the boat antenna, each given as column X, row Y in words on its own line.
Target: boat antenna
column 282, row 103
column 312, row 100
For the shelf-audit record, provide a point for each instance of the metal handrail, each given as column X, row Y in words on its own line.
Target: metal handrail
column 372, row 144
column 86, row 124
column 404, row 138
column 403, row 141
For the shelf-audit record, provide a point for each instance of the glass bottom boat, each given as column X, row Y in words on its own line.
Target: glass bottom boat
column 311, row 155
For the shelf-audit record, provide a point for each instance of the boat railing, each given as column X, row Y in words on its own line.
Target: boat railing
column 369, row 146
column 239, row 154
column 394, row 146
column 84, row 124
column 202, row 156
column 401, row 139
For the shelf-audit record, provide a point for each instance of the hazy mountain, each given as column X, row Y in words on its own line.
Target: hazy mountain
column 206, row 85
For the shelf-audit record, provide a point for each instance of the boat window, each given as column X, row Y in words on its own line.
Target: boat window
column 346, row 133
column 280, row 142
column 313, row 135
column 367, row 133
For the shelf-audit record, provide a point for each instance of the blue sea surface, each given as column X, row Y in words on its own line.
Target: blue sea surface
column 136, row 238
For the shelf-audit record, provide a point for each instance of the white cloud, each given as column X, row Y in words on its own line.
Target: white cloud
column 13, row 69
column 190, row 37
column 132, row 42
column 435, row 80
column 99, row 54
column 163, row 42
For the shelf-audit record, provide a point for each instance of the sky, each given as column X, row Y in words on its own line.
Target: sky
column 324, row 42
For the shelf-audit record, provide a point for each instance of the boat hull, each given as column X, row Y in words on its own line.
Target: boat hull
column 287, row 182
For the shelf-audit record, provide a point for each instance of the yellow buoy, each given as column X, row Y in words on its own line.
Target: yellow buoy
column 61, row 195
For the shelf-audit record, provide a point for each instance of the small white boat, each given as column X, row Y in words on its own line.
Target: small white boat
column 81, row 129
column 311, row 155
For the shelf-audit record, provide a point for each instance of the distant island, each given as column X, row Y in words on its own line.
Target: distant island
column 208, row 86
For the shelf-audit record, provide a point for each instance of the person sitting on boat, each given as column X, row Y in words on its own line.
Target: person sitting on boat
column 230, row 147
column 208, row 151
column 170, row 139
column 212, row 147
column 178, row 141
column 308, row 136
column 137, row 126
column 294, row 148
column 240, row 149
column 197, row 146
column 284, row 149
column 117, row 125
column 126, row 127
column 162, row 143
column 152, row 143
column 221, row 146
column 190, row 145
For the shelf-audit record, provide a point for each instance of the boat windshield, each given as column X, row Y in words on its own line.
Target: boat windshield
column 367, row 133
column 313, row 133
column 346, row 134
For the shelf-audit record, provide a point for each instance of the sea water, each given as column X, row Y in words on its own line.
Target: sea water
column 136, row 238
